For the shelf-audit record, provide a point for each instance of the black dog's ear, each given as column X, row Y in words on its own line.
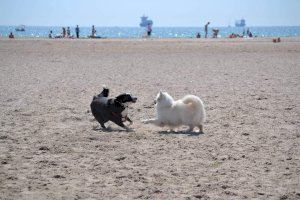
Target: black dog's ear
column 104, row 93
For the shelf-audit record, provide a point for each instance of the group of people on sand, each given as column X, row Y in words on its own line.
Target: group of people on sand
column 247, row 33
column 215, row 32
column 66, row 33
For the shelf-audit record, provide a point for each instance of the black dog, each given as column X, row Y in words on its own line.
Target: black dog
column 115, row 110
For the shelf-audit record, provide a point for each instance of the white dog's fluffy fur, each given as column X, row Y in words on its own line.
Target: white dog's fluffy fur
column 187, row 111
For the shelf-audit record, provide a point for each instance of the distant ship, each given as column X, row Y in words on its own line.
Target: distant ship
column 20, row 28
column 145, row 21
column 240, row 23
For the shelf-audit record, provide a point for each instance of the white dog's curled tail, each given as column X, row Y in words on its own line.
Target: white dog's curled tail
column 195, row 103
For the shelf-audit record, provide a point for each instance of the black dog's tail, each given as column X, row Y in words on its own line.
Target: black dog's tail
column 104, row 93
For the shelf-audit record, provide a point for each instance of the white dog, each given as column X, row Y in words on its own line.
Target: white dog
column 187, row 111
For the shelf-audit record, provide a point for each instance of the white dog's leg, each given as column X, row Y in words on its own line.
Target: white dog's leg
column 191, row 128
column 200, row 128
column 148, row 121
column 153, row 121
column 172, row 129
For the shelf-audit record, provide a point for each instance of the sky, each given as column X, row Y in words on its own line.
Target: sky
column 182, row 13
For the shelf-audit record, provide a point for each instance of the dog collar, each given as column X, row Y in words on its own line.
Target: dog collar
column 114, row 114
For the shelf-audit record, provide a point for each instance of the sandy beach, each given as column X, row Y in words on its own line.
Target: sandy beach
column 51, row 148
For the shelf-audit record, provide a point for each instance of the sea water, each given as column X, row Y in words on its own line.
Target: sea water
column 158, row 32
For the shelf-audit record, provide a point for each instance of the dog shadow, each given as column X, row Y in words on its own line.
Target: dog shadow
column 110, row 130
column 188, row 133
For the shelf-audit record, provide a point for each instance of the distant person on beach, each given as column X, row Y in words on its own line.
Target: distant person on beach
column 63, row 32
column 94, row 35
column 93, row 31
column 50, row 34
column 198, row 35
column 149, row 30
column 248, row 31
column 206, row 29
column 215, row 33
column 11, row 35
column 234, row 35
column 77, row 31
column 68, row 32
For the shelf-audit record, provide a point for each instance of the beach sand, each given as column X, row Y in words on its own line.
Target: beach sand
column 51, row 148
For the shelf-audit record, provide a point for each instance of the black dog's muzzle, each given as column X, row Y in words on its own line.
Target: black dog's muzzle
column 134, row 99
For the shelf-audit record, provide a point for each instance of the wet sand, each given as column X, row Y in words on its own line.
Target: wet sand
column 51, row 148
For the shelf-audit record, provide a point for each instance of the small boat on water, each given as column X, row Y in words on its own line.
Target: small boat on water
column 20, row 28
column 145, row 21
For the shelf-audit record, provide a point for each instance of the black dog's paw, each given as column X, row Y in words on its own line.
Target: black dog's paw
column 107, row 129
column 96, row 128
column 129, row 129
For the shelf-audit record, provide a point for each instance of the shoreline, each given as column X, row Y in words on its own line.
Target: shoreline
column 193, row 40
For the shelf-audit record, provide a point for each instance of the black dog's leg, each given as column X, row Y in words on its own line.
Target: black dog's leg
column 101, row 121
column 128, row 119
column 103, row 126
column 120, row 123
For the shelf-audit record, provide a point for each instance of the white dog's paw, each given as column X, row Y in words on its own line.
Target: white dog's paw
column 145, row 121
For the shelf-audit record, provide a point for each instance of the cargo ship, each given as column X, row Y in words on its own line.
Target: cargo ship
column 240, row 23
column 145, row 21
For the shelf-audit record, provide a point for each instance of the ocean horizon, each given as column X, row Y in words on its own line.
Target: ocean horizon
column 158, row 32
